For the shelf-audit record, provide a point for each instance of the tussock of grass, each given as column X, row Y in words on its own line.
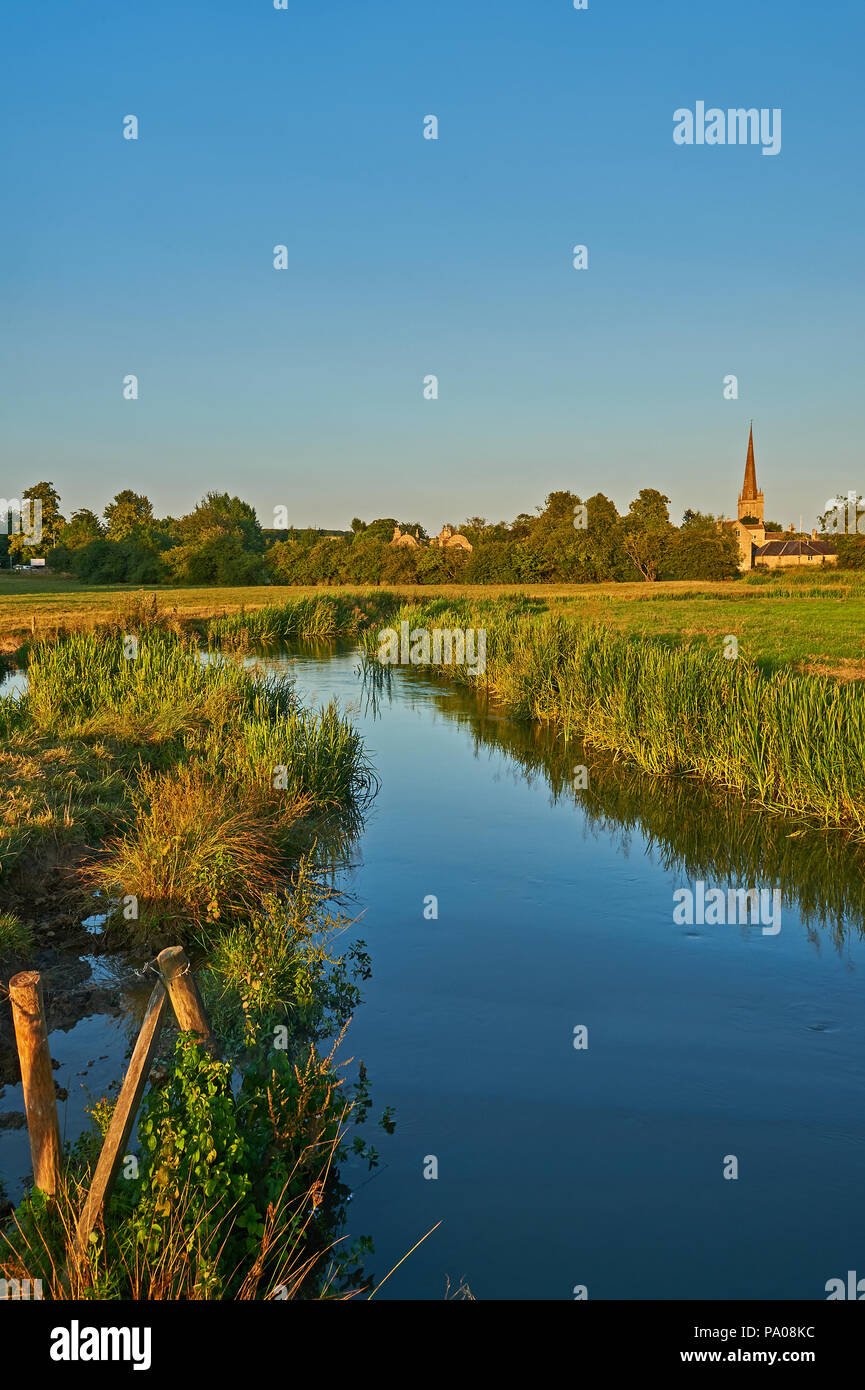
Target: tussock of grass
column 196, row 850
column 16, row 938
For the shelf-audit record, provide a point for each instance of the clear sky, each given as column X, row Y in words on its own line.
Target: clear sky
column 408, row 256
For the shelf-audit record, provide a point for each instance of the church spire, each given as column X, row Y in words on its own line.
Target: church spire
column 749, row 488
column 750, row 500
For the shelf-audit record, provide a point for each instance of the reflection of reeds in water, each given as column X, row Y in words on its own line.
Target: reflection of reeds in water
column 694, row 832
column 795, row 744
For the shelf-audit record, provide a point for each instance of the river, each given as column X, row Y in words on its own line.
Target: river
column 597, row 1167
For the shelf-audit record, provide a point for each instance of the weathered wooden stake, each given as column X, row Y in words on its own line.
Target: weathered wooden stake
column 40, row 1101
column 183, row 992
column 114, row 1147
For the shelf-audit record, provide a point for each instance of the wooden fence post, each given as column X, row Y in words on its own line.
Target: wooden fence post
column 120, row 1128
column 37, row 1078
column 177, row 984
column 183, row 991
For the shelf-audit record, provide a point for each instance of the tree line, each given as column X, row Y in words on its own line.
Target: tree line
column 221, row 541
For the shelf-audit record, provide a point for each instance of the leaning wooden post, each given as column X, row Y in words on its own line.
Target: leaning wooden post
column 114, row 1147
column 37, row 1078
column 183, row 992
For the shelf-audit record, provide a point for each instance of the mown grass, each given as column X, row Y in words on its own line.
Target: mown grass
column 793, row 743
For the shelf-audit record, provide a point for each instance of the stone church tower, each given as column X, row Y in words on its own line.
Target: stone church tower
column 750, row 500
column 750, row 534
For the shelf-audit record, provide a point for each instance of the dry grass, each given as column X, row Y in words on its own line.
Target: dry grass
column 196, row 849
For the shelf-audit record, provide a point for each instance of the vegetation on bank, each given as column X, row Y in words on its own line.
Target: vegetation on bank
column 792, row 743
column 613, row 672
column 180, row 781
column 189, row 793
column 236, row 1191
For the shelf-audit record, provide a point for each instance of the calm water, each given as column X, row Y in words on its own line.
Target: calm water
column 601, row 1167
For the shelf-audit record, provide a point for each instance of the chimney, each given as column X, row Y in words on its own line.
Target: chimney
column 813, row 533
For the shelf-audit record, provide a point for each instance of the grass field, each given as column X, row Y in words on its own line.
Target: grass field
column 816, row 623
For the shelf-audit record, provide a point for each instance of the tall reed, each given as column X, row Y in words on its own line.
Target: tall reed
column 794, row 743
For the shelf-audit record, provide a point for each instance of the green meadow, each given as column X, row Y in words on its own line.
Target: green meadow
column 811, row 622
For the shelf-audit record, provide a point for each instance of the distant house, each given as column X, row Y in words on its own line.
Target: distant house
column 448, row 539
column 405, row 539
column 777, row 554
column 755, row 552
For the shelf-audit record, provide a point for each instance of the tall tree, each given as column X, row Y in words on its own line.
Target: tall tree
column 52, row 521
column 218, row 515
column 647, row 532
column 128, row 515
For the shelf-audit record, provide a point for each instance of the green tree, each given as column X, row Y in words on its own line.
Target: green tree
column 219, row 542
column 128, row 515
column 218, row 514
column 702, row 549
column 52, row 523
column 602, row 557
column 647, row 532
column 84, row 526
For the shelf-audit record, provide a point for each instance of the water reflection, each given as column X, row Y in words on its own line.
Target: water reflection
column 694, row 832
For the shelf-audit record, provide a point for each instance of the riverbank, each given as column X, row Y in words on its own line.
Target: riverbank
column 789, row 742
column 183, row 799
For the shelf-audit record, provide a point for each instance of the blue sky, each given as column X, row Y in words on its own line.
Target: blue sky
column 408, row 257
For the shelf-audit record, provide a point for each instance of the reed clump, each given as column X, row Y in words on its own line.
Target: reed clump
column 303, row 619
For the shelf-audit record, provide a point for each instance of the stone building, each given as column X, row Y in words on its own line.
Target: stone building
column 782, row 554
column 448, row 538
column 406, row 539
column 749, row 527
column 755, row 552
